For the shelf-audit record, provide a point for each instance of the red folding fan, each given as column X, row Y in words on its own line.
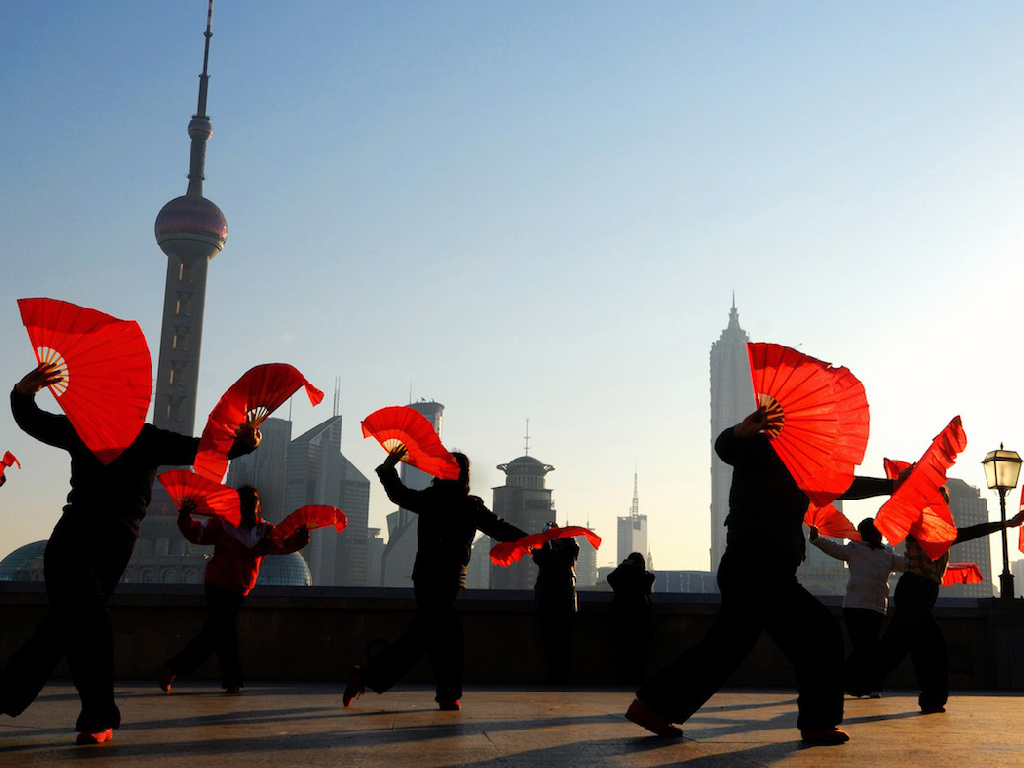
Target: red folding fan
column 818, row 417
column 107, row 371
column 401, row 426
column 917, row 506
column 252, row 398
column 962, row 573
column 7, row 461
column 209, row 498
column 831, row 522
column 312, row 516
column 508, row 552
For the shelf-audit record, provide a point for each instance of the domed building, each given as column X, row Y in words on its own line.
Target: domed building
column 285, row 571
column 24, row 564
column 525, row 502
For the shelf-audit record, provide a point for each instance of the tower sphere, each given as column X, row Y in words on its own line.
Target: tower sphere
column 200, row 128
column 191, row 227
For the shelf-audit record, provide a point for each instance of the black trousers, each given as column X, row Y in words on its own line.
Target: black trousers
column 913, row 630
column 217, row 635
column 435, row 630
column 758, row 597
column 556, row 630
column 81, row 575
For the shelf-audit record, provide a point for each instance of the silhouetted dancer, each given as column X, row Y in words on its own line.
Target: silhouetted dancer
column 913, row 628
column 86, row 555
column 632, row 616
column 867, row 592
column 554, row 595
column 448, row 520
column 230, row 575
column 760, row 592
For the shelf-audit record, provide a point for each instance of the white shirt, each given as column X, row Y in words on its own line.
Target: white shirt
column 869, row 572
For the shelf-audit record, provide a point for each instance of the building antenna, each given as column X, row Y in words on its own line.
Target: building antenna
column 526, row 449
column 337, row 395
column 634, row 511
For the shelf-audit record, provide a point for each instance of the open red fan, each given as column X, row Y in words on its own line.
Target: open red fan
column 399, row 425
column 107, row 371
column 917, row 506
column 508, row 552
column 962, row 573
column 7, row 461
column 312, row 516
column 210, row 499
column 819, row 417
column 831, row 522
column 252, row 398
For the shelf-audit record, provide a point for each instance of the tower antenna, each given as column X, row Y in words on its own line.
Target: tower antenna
column 526, row 450
column 634, row 511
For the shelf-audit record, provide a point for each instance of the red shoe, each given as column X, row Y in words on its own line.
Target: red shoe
column 95, row 738
column 166, row 678
column 824, row 737
column 654, row 722
column 354, row 688
column 449, row 706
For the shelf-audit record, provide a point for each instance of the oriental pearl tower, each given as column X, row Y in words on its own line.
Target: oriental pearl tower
column 190, row 230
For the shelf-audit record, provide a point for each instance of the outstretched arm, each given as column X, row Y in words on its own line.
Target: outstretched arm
column 985, row 529
column 866, row 487
column 48, row 428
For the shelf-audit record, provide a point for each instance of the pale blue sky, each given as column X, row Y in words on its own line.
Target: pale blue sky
column 536, row 210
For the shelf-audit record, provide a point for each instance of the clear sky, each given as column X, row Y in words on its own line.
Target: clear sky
column 536, row 210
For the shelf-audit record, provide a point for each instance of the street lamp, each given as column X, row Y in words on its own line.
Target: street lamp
column 1002, row 468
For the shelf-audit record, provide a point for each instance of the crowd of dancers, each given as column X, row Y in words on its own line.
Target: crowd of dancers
column 94, row 538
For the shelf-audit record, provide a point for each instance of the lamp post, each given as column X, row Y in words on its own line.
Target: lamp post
column 1002, row 468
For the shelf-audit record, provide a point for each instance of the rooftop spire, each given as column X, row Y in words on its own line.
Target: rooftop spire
column 634, row 511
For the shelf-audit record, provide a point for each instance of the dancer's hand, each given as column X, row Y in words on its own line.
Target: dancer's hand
column 813, row 534
column 248, row 433
column 1016, row 520
column 44, row 375
column 753, row 424
column 395, row 456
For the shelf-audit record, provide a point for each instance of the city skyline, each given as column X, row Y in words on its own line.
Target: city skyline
column 536, row 212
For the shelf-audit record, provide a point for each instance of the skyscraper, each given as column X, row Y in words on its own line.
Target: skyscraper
column 525, row 502
column 632, row 531
column 969, row 508
column 266, row 468
column 732, row 400
column 318, row 473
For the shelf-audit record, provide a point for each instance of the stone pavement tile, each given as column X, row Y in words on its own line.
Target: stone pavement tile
column 305, row 725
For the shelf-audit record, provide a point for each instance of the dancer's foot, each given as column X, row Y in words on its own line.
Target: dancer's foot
column 449, row 706
column 824, row 737
column 232, row 689
column 354, row 688
column 166, row 678
column 932, row 709
column 95, row 738
column 654, row 722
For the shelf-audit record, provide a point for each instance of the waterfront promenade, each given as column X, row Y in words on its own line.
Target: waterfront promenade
column 303, row 724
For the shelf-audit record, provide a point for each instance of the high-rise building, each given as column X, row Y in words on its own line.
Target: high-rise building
column 525, row 502
column 400, row 551
column 317, row 473
column 732, row 400
column 632, row 531
column 586, row 563
column 970, row 508
column 265, row 468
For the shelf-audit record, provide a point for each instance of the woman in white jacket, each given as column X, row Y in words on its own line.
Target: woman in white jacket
column 867, row 593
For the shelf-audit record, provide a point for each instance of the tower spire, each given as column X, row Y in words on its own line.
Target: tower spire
column 634, row 511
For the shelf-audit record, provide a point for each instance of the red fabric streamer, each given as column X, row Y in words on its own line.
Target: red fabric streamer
column 312, row 516
column 917, row 506
column 256, row 395
column 819, row 419
column 508, row 552
column 401, row 426
column 107, row 371
column 962, row 573
column 209, row 498
column 831, row 522
column 7, row 461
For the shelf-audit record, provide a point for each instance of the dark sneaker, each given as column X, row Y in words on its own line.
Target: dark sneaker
column 824, row 737
column 449, row 706
column 654, row 722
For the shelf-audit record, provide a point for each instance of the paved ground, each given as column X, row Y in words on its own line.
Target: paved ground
column 305, row 724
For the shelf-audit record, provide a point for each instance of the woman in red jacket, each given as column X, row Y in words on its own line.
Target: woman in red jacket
column 230, row 575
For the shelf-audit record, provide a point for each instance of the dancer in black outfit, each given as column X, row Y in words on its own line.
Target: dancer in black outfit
column 448, row 520
column 86, row 555
column 633, row 616
column 554, row 595
column 760, row 592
